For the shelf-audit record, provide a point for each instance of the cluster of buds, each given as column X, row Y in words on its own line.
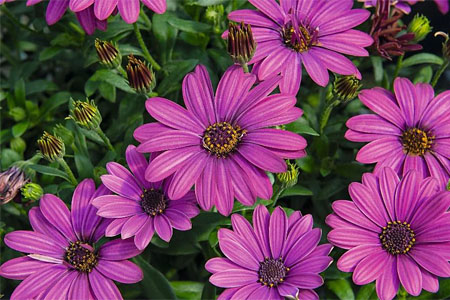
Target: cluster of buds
column 11, row 181
column 85, row 114
column 346, row 88
column 108, row 53
column 140, row 75
column 385, row 32
column 241, row 44
column 51, row 147
column 290, row 177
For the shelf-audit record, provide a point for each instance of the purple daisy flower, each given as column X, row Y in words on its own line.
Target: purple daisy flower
column 61, row 257
column 410, row 129
column 140, row 207
column 309, row 32
column 128, row 9
column 221, row 143
column 396, row 231
column 278, row 258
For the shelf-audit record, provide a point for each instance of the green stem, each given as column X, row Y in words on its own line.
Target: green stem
column 279, row 190
column 152, row 94
column 439, row 72
column 144, row 48
column 399, row 66
column 245, row 67
column 122, row 71
column 147, row 21
column 326, row 114
column 105, row 139
column 66, row 168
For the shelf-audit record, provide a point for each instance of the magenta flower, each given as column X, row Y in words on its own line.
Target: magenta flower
column 309, row 32
column 221, row 143
column 128, row 9
column 409, row 130
column 396, row 231
column 140, row 207
column 277, row 258
column 61, row 260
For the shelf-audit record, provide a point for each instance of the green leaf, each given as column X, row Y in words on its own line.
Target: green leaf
column 377, row 64
column 424, row 75
column 49, row 52
column 209, row 292
column 107, row 91
column 296, row 190
column 301, row 126
column 113, row 79
column 207, row 2
column 189, row 26
column 50, row 171
column 187, row 289
column 365, row 292
column 19, row 128
column 154, row 284
column 341, row 288
column 177, row 70
column 422, row 58
column 84, row 165
column 19, row 92
column 165, row 34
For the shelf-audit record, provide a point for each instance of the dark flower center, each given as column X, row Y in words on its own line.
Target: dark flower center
column 416, row 141
column 272, row 272
column 81, row 256
column 153, row 202
column 397, row 237
column 299, row 37
column 222, row 138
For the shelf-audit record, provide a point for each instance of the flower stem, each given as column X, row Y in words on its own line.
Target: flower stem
column 245, row 67
column 326, row 114
column 105, row 139
column 66, row 168
column 122, row 71
column 398, row 67
column 439, row 72
column 152, row 94
column 144, row 48
column 147, row 21
column 279, row 190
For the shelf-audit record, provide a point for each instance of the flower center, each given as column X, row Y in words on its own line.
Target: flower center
column 416, row 141
column 299, row 37
column 397, row 237
column 272, row 271
column 222, row 138
column 153, row 202
column 81, row 256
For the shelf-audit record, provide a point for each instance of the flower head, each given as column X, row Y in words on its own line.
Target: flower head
column 409, row 129
column 420, row 26
column 108, row 53
column 32, row 191
column 241, row 45
column 140, row 75
column 346, row 88
column 85, row 113
column 140, row 207
column 221, row 143
column 290, row 177
column 278, row 257
column 395, row 230
column 62, row 259
column 11, row 181
column 312, row 33
column 51, row 147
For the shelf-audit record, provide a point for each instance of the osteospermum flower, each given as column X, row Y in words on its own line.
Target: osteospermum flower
column 62, row 260
column 310, row 32
column 128, row 9
column 221, row 143
column 142, row 207
column 396, row 231
column 277, row 258
column 409, row 129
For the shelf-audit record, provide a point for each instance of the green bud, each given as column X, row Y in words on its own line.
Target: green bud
column 445, row 44
column 241, row 44
column 66, row 135
column 420, row 26
column 31, row 192
column 85, row 114
column 140, row 75
column 290, row 177
column 51, row 147
column 18, row 144
column 346, row 88
column 214, row 15
column 17, row 113
column 108, row 53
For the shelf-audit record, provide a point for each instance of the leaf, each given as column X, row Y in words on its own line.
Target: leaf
column 365, row 292
column 189, row 26
column 296, row 190
column 206, row 2
column 165, row 34
column 341, row 288
column 19, row 92
column 422, row 58
column 424, row 75
column 84, row 165
column 19, row 128
column 177, row 70
column 187, row 289
column 209, row 292
column 377, row 64
column 113, row 79
column 50, row 171
column 301, row 126
column 107, row 91
column 155, row 285
column 49, row 52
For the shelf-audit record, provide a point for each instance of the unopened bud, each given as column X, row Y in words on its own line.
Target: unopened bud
column 85, row 113
column 51, row 147
column 140, row 75
column 346, row 88
column 420, row 26
column 17, row 113
column 108, row 53
column 32, row 192
column 241, row 44
column 290, row 177
column 445, row 44
column 10, row 183
column 18, row 144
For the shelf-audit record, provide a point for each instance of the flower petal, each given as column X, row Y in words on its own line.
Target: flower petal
column 233, row 278
column 118, row 250
column 123, row 271
column 21, row 267
column 409, row 274
column 129, row 10
column 145, row 234
column 277, row 231
column 102, row 287
column 57, row 214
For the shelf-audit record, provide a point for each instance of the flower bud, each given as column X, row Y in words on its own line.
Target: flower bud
column 17, row 113
column 241, row 45
column 51, row 147
column 346, row 88
column 290, row 177
column 140, row 75
column 18, row 144
column 214, row 15
column 108, row 53
column 445, row 44
column 85, row 114
column 420, row 26
column 10, row 183
column 31, row 192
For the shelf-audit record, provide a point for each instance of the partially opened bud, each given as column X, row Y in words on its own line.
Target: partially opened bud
column 32, row 191
column 10, row 183
column 140, row 76
column 445, row 44
column 108, row 53
column 290, row 177
column 51, row 147
column 420, row 26
column 86, row 114
column 346, row 88
column 241, row 44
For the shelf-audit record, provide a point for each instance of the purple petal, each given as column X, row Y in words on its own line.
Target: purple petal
column 87, row 19
column 431, row 209
column 220, row 264
column 409, row 274
column 347, row 238
column 163, row 227
column 204, row 190
column 233, row 278
column 178, row 220
column 115, row 227
column 129, row 10
column 60, row 288
column 251, row 17
column 186, row 205
column 379, row 149
column 243, row 228
column 292, row 76
column 287, row 290
column 305, row 280
column 148, row 131
column 347, row 20
column 430, row 260
column 236, row 252
column 79, row 5
column 348, row 211
column 406, row 98
column 262, row 158
column 174, row 139
column 424, row 94
column 275, row 138
column 224, row 195
column 244, row 191
column 120, row 209
column 40, row 224
column 118, row 250
column 368, row 203
column 269, row 8
column 145, row 234
column 430, row 282
column 315, row 68
column 124, row 187
column 370, row 267
column 34, row 243
column 245, row 291
column 57, row 214
column 137, row 164
column 104, row 8
column 133, row 225
column 80, row 288
column 406, row 196
column 122, row 271
column 277, row 231
column 55, row 10
column 313, row 264
column 348, row 261
column 299, row 228
column 274, row 63
column 91, row 223
column 262, row 292
column 21, row 267
column 158, row 6
column 80, row 204
column 261, row 219
column 102, row 287
column 335, row 62
column 435, row 114
column 373, row 124
column 303, row 247
column 351, row 42
column 387, row 284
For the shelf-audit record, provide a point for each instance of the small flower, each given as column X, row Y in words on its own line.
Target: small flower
column 10, row 183
column 278, row 257
column 420, row 26
column 396, row 231
column 140, row 207
column 223, row 144
column 290, row 177
column 62, row 259
column 32, row 191
column 85, row 114
column 409, row 129
column 346, row 88
column 108, row 53
column 241, row 45
column 445, row 44
column 51, row 147
column 140, row 75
